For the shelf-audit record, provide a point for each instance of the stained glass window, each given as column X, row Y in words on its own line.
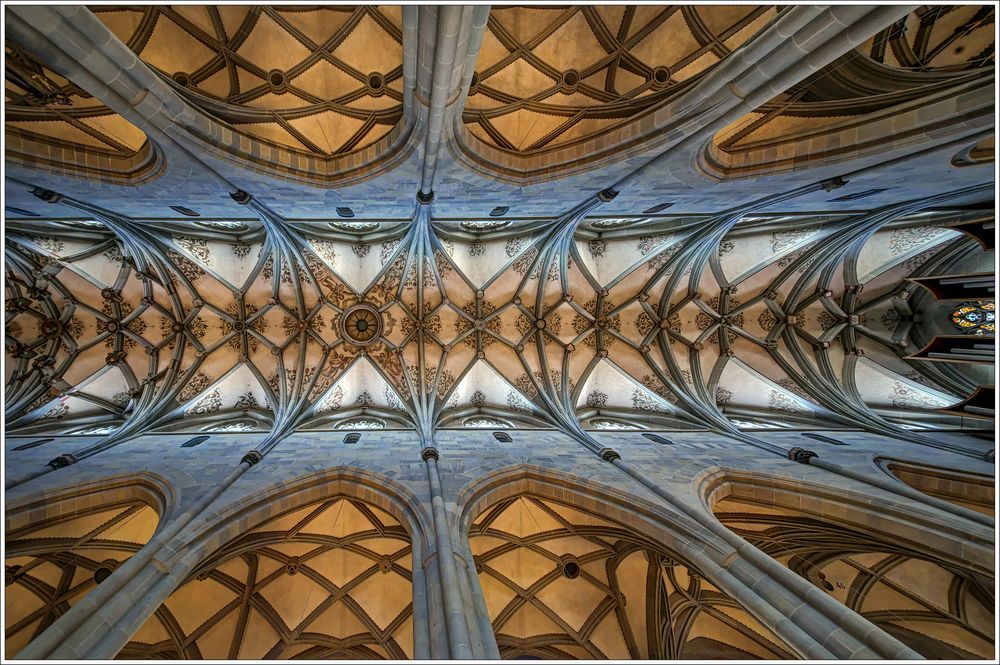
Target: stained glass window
column 977, row 317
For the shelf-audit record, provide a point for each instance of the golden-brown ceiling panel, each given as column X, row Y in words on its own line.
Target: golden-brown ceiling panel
column 321, row 80
column 552, row 76
column 324, row 581
column 563, row 583
column 937, row 38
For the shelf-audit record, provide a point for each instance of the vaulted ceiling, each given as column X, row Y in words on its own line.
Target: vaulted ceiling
column 733, row 314
column 52, row 564
column 548, row 76
column 322, row 83
column 47, row 114
column 936, row 38
column 115, row 327
column 330, row 580
column 566, row 584
column 940, row 609
column 321, row 80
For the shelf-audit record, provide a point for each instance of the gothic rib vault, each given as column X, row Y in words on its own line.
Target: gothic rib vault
column 119, row 328
column 656, row 257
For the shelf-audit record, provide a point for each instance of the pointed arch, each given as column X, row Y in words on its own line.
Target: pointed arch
column 62, row 543
column 578, row 570
column 320, row 566
column 929, row 589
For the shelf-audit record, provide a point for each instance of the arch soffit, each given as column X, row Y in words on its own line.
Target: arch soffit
column 849, row 140
column 629, row 510
column 150, row 488
column 630, row 140
column 977, row 154
column 826, row 502
column 141, row 168
column 270, row 159
column 883, row 463
column 892, row 466
column 220, row 527
column 88, row 140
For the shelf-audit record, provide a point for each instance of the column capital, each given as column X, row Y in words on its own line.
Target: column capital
column 801, row 455
column 831, row 184
column 252, row 458
column 609, row 454
column 63, row 460
column 429, row 453
column 607, row 194
column 46, row 195
column 241, row 197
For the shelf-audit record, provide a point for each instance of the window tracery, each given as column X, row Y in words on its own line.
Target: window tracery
column 977, row 317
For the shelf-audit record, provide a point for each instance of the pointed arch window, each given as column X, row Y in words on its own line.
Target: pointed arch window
column 362, row 423
column 824, row 439
column 486, row 422
column 20, row 211
column 241, row 426
column 610, row 424
column 99, row 429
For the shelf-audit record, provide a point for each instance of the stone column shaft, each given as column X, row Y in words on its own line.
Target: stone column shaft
column 421, row 620
column 459, row 639
column 484, row 627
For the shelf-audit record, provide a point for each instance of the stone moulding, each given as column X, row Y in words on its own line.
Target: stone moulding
column 69, row 160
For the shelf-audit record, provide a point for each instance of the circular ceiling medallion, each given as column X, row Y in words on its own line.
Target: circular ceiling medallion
column 277, row 80
column 570, row 79
column 361, row 324
column 51, row 328
column 101, row 574
column 660, row 76
column 570, row 566
column 376, row 83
